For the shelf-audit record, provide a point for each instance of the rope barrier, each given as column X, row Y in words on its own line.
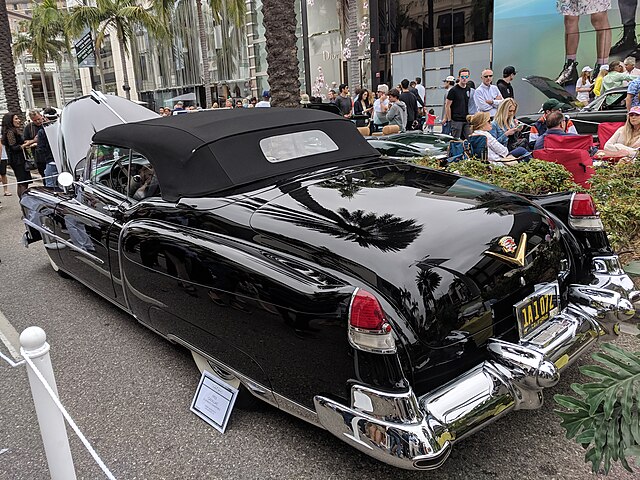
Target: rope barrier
column 60, row 407
column 67, row 417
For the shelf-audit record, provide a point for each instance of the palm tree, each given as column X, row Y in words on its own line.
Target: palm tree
column 121, row 16
column 47, row 15
column 282, row 52
column 7, row 67
column 234, row 11
column 39, row 41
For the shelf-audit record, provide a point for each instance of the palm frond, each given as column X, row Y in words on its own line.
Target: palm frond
column 605, row 415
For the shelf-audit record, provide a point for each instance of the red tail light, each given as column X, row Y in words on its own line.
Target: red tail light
column 368, row 327
column 583, row 214
column 366, row 312
column 582, row 205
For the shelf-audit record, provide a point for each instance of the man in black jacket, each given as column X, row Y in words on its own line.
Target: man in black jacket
column 504, row 84
column 30, row 134
column 411, row 102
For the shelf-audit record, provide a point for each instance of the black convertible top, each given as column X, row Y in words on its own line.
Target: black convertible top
column 202, row 153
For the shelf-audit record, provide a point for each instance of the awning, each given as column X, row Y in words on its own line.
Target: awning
column 187, row 97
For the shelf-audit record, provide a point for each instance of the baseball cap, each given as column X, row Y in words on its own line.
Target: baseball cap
column 553, row 104
column 604, row 67
column 634, row 110
column 587, row 68
column 450, row 78
column 266, row 94
column 510, row 70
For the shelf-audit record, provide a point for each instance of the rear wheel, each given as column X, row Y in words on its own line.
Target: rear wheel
column 244, row 399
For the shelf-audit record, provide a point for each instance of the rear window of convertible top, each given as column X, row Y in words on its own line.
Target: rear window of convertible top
column 280, row 148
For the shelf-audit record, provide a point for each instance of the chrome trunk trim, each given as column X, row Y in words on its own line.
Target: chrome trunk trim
column 417, row 433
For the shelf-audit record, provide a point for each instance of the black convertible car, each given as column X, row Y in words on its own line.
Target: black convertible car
column 398, row 307
column 609, row 107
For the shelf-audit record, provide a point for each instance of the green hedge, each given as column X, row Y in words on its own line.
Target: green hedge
column 615, row 189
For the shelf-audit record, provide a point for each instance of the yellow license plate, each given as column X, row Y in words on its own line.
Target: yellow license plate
column 537, row 308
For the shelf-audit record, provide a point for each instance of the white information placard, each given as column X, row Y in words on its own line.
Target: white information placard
column 213, row 401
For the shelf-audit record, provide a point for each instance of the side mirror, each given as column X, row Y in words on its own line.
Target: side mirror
column 65, row 179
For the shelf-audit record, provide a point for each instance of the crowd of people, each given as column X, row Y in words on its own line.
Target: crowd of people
column 26, row 148
column 488, row 110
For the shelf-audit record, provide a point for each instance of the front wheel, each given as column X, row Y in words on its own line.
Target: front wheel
column 244, row 400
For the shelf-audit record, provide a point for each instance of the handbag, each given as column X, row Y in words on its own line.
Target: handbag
column 29, row 162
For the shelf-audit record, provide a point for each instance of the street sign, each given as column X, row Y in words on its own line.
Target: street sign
column 84, row 51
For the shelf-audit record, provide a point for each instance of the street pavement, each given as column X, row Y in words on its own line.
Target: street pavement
column 130, row 391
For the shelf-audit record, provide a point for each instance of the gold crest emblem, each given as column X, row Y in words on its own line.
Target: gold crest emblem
column 508, row 245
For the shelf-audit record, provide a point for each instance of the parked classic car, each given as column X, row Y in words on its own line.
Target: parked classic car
column 609, row 107
column 398, row 307
column 411, row 144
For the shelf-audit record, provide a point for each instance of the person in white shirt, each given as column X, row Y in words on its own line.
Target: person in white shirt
column 264, row 103
column 421, row 90
column 381, row 106
column 3, row 170
column 497, row 153
column 630, row 67
column 583, row 85
column 487, row 96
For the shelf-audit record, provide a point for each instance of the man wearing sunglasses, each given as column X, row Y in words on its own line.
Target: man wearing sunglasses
column 457, row 106
column 488, row 96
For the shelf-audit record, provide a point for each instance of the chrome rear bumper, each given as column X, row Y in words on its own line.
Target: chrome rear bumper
column 417, row 433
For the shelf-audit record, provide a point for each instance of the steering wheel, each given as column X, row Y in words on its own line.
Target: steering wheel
column 119, row 178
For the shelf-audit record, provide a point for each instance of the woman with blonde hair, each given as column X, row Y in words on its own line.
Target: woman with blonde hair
column 504, row 124
column 627, row 138
column 497, row 153
column 597, row 84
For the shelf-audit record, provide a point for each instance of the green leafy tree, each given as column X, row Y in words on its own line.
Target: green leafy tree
column 48, row 17
column 120, row 17
column 7, row 66
column 231, row 10
column 282, row 52
column 605, row 415
column 39, row 40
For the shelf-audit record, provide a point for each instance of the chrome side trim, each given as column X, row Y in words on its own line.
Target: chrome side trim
column 257, row 389
column 47, row 231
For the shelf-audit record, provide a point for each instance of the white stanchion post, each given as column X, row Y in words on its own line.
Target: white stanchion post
column 52, row 426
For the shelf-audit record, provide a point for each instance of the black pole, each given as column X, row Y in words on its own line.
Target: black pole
column 305, row 47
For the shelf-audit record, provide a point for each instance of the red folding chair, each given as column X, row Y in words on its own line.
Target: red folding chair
column 573, row 142
column 577, row 162
column 606, row 131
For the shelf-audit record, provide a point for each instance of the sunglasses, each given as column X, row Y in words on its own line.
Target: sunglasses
column 465, row 76
column 487, row 76
column 634, row 114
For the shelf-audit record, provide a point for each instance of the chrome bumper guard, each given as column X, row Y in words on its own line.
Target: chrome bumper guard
column 417, row 433
column 609, row 275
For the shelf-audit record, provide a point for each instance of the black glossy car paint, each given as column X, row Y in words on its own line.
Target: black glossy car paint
column 262, row 280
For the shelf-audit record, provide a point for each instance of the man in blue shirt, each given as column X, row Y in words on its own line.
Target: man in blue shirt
column 633, row 89
column 555, row 126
